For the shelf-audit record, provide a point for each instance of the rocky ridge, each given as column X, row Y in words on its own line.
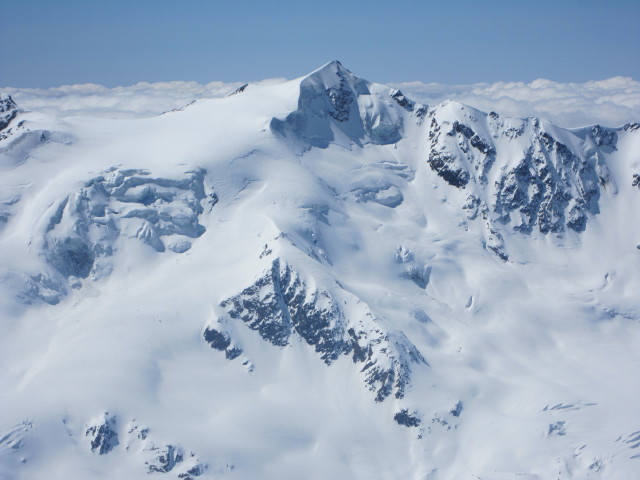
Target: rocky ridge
column 8, row 112
column 281, row 303
column 543, row 183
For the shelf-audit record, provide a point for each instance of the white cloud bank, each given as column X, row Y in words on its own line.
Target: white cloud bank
column 135, row 101
column 610, row 102
column 139, row 100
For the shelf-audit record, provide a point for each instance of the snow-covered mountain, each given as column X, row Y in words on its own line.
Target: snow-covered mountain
column 318, row 279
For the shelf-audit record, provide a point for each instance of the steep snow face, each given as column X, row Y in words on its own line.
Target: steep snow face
column 335, row 106
column 318, row 279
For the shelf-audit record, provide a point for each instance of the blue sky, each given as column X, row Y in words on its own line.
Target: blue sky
column 114, row 42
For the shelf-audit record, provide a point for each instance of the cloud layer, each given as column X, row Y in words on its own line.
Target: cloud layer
column 610, row 102
column 139, row 100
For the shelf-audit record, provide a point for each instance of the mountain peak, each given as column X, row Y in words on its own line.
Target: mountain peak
column 335, row 75
column 6, row 103
column 319, row 278
column 335, row 106
column 8, row 111
column 334, row 66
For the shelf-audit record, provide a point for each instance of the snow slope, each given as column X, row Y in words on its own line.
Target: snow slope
column 318, row 278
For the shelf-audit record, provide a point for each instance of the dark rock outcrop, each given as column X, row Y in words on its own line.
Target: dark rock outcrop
column 161, row 457
column 551, row 187
column 239, row 90
column 403, row 417
column 280, row 304
column 457, row 410
column 8, row 112
column 102, row 434
column 221, row 341
column 443, row 155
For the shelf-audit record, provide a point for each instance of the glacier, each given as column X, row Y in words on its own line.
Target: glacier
column 318, row 278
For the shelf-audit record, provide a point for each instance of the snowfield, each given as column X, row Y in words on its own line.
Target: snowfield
column 317, row 278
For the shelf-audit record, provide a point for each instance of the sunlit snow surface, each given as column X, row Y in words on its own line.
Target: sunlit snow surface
column 318, row 279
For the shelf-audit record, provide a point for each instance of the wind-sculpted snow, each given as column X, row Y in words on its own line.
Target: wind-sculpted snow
column 83, row 229
column 280, row 303
column 335, row 106
column 520, row 172
column 13, row 439
column 263, row 276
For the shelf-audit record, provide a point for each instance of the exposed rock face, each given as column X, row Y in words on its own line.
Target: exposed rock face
column 417, row 109
column 18, row 136
column 521, row 174
column 221, row 341
column 8, row 112
column 603, row 136
column 550, row 188
column 457, row 410
column 239, row 89
column 164, row 458
column 336, row 106
column 518, row 173
column 403, row 417
column 281, row 303
column 102, row 434
column 463, row 143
